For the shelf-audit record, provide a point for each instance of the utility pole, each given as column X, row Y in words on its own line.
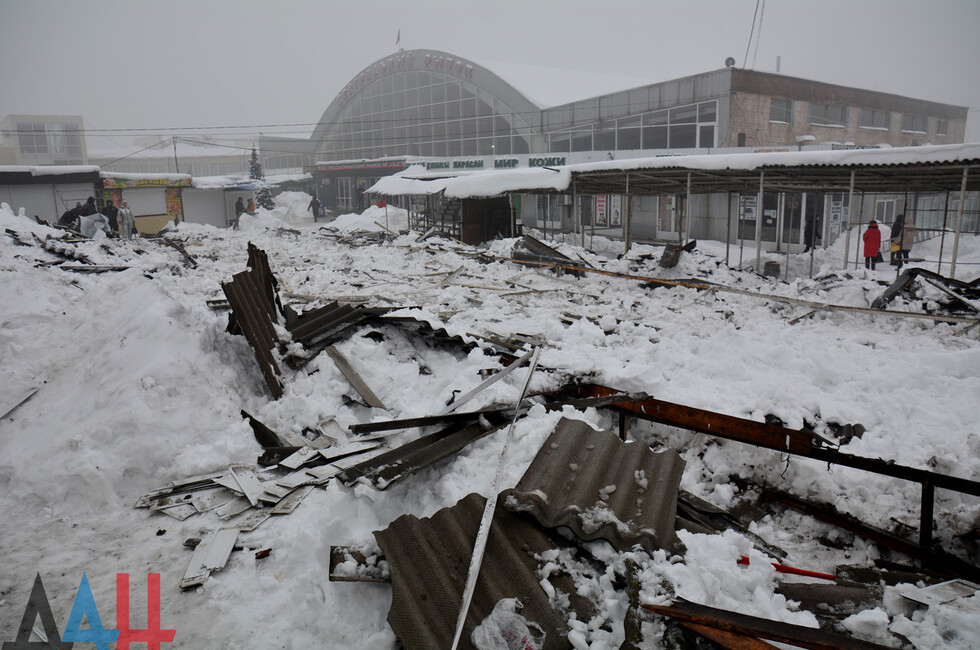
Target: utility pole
column 176, row 166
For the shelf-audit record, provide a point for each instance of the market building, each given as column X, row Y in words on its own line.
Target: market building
column 452, row 115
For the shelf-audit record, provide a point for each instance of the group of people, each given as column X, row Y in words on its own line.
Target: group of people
column 902, row 238
column 241, row 208
column 88, row 219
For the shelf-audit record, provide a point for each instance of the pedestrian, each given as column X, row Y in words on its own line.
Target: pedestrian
column 127, row 224
column 251, row 206
column 112, row 214
column 907, row 238
column 872, row 245
column 69, row 218
column 895, row 239
column 89, row 207
column 239, row 207
column 809, row 229
column 315, row 207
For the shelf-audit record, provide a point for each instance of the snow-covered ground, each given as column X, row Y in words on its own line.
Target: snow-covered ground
column 139, row 384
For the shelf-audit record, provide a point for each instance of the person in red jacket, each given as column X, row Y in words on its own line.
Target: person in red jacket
column 872, row 245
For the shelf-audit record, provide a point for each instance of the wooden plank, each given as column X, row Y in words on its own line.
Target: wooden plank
column 210, row 555
column 355, row 380
column 742, row 624
column 488, row 382
column 291, row 500
column 728, row 640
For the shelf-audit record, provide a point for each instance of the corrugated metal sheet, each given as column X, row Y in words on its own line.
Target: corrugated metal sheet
column 255, row 306
column 429, row 560
column 390, row 467
column 602, row 488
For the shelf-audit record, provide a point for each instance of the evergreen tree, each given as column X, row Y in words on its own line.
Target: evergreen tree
column 263, row 197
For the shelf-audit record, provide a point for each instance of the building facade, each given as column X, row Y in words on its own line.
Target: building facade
column 42, row 140
column 448, row 113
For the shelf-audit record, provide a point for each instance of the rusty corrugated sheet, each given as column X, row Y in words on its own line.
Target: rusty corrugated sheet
column 252, row 318
column 602, row 488
column 429, row 560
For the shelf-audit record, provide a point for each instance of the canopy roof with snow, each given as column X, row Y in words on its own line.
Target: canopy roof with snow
column 926, row 169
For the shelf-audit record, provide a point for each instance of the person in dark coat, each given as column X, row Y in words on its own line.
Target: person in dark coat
column 896, row 237
column 111, row 213
column 872, row 245
column 315, row 206
column 89, row 207
column 239, row 207
column 68, row 218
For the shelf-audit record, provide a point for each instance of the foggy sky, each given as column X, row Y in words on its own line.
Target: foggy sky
column 167, row 64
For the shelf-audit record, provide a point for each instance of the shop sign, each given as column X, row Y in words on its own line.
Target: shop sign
column 552, row 161
column 467, row 164
column 110, row 183
column 506, row 163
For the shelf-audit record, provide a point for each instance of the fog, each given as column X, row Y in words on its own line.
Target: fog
column 244, row 67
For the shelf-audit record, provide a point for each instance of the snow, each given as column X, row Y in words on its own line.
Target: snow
column 140, row 384
column 50, row 170
column 135, row 176
column 496, row 182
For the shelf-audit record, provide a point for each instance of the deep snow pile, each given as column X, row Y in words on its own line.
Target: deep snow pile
column 139, row 384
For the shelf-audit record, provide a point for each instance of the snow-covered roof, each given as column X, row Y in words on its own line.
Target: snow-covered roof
column 497, row 182
column 475, row 184
column 275, row 179
column 947, row 153
column 230, row 183
column 135, row 176
column 50, row 170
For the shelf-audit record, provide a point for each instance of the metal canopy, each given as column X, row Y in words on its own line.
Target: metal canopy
column 923, row 177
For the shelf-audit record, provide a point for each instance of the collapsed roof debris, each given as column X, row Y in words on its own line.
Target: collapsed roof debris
column 601, row 488
column 429, row 559
column 752, row 626
column 964, row 296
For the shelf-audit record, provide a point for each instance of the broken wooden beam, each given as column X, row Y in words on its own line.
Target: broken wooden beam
column 354, row 378
column 753, row 626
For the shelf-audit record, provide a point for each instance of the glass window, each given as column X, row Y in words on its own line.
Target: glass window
column 438, row 93
column 655, row 119
column 452, row 90
column 452, row 129
column 501, row 146
column 869, row 118
column 399, row 82
column 683, row 136
column 452, row 110
column 484, row 147
column 454, row 148
column 520, row 145
column 706, row 135
column 684, row 115
column 654, row 137
column 469, row 128
column 582, row 141
column 605, row 136
column 469, row 147
column 628, row 139
column 484, row 125
column 707, row 111
column 781, row 110
column 827, row 115
column 560, row 142
column 467, row 107
column 914, row 123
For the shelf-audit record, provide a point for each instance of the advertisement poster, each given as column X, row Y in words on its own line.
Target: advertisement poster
column 600, row 210
column 175, row 208
column 615, row 210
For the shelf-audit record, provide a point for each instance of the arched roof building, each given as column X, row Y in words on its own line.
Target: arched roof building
column 426, row 103
column 430, row 103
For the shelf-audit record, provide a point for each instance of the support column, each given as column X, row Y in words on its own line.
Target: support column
column 850, row 211
column 959, row 223
column 758, row 222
